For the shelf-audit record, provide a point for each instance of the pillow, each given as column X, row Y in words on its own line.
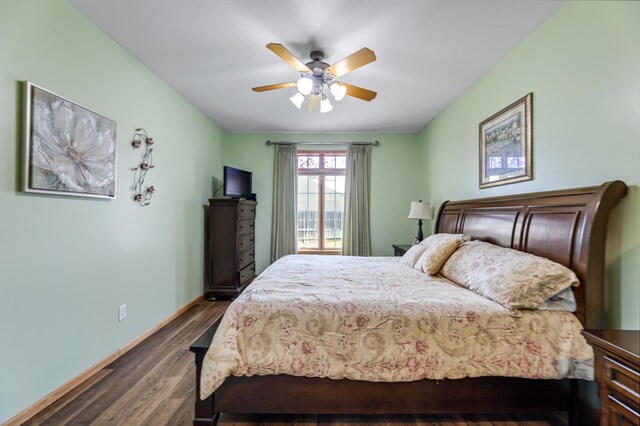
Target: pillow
column 510, row 277
column 438, row 248
column 563, row 301
column 411, row 256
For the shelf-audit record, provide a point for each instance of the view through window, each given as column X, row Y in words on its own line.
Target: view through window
column 321, row 185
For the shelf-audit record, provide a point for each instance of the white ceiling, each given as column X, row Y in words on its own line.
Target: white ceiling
column 213, row 52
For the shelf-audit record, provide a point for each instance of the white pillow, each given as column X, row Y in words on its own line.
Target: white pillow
column 412, row 255
column 563, row 301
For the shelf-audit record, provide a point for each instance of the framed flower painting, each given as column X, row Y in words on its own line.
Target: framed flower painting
column 68, row 149
column 505, row 145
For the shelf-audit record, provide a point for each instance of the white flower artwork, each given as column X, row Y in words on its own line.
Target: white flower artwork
column 69, row 149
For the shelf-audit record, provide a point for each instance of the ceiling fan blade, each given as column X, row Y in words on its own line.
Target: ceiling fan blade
column 352, row 62
column 274, row 87
column 359, row 92
column 313, row 104
column 287, row 56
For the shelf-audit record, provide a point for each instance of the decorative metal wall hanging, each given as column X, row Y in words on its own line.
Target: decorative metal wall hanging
column 142, row 195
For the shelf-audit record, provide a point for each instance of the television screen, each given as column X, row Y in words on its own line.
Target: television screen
column 237, row 183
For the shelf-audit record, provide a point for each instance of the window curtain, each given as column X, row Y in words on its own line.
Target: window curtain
column 285, row 191
column 357, row 233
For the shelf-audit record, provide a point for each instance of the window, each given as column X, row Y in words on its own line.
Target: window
column 320, row 201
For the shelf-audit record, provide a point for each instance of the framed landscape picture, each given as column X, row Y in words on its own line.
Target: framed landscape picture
column 505, row 145
column 68, row 149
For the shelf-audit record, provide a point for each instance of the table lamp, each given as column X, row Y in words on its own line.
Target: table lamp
column 420, row 210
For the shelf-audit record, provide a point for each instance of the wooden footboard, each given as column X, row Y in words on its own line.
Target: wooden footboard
column 308, row 395
column 204, row 408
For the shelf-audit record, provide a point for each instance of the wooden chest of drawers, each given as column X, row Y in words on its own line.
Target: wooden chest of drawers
column 617, row 371
column 231, row 246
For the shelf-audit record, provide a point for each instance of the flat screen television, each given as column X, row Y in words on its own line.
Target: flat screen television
column 237, row 183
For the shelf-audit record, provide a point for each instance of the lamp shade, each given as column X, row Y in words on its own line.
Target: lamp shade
column 297, row 100
column 305, row 85
column 420, row 210
column 338, row 90
column 325, row 105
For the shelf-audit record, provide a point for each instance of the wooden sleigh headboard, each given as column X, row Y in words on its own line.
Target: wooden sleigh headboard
column 567, row 226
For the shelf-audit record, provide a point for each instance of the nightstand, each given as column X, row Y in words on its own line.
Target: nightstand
column 617, row 371
column 400, row 249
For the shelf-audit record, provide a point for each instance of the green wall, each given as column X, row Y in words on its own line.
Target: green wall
column 583, row 67
column 67, row 263
column 390, row 196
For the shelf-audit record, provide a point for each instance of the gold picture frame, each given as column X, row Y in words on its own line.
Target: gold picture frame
column 506, row 145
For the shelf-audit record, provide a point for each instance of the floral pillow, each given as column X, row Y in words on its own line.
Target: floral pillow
column 510, row 277
column 412, row 255
column 438, row 248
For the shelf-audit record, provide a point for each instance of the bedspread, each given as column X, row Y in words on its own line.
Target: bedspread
column 373, row 319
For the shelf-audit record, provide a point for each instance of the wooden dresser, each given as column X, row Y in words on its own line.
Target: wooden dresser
column 617, row 371
column 231, row 246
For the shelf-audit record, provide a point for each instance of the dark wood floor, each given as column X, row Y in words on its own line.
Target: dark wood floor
column 154, row 384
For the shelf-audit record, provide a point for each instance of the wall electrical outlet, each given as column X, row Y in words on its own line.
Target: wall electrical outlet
column 122, row 312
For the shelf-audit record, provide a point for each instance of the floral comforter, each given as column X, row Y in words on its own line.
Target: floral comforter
column 373, row 319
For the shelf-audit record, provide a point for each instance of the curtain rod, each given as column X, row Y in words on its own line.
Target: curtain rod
column 374, row 143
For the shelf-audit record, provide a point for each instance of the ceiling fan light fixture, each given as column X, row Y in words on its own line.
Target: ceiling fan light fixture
column 338, row 91
column 297, row 100
column 325, row 105
column 317, row 78
column 305, row 85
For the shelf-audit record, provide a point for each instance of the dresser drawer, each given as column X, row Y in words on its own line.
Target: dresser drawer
column 622, row 379
column 621, row 414
column 247, row 211
column 246, row 257
column 246, row 242
column 246, row 227
column 247, row 273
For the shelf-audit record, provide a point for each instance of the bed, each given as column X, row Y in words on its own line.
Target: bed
column 566, row 226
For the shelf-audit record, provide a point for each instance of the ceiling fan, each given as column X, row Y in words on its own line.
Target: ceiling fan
column 318, row 79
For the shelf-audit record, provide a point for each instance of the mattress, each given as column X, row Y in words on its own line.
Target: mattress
column 374, row 319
